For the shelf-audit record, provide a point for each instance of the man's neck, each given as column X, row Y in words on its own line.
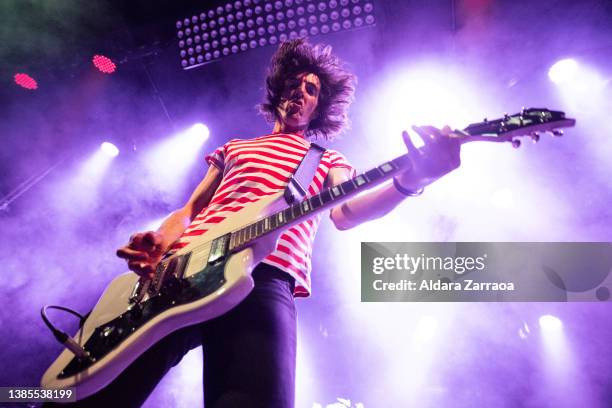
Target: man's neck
column 282, row 128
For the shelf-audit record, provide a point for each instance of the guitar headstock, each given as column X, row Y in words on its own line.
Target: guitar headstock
column 528, row 123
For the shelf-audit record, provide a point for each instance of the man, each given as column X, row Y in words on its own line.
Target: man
column 249, row 353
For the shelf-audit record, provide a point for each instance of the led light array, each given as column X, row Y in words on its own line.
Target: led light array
column 242, row 25
column 104, row 64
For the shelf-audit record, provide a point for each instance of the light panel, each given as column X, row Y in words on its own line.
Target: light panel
column 247, row 24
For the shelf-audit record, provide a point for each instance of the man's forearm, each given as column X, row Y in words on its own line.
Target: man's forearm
column 368, row 206
column 173, row 226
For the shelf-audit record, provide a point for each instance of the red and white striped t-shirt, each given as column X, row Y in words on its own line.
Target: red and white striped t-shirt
column 260, row 167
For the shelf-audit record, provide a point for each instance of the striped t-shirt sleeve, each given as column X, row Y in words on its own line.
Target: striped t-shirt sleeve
column 338, row 160
column 217, row 157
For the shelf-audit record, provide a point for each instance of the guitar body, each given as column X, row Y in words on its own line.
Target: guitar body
column 116, row 333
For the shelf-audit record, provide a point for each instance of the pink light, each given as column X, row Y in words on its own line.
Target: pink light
column 25, row 81
column 104, row 64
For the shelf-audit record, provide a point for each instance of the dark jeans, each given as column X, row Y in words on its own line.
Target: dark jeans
column 249, row 353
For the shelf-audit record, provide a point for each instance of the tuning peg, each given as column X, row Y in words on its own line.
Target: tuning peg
column 535, row 137
column 516, row 143
column 557, row 132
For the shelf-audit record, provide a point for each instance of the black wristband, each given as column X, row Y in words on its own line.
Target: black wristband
column 405, row 191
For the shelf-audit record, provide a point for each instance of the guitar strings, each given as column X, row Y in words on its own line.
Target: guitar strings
column 209, row 243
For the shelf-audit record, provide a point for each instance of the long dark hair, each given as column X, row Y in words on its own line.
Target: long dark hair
column 337, row 85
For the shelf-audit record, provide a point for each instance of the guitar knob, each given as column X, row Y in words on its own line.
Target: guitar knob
column 557, row 132
column 535, row 137
column 516, row 143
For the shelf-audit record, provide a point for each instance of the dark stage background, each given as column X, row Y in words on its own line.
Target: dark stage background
column 425, row 62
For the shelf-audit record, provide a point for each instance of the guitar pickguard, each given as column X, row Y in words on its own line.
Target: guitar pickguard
column 175, row 293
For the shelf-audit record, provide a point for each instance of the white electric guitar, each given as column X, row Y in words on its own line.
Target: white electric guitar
column 212, row 275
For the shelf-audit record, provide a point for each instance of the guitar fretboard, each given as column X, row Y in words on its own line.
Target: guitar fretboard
column 309, row 206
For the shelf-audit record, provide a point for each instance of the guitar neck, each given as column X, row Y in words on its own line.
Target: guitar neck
column 310, row 206
column 527, row 122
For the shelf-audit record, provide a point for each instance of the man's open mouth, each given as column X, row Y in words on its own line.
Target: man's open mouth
column 294, row 107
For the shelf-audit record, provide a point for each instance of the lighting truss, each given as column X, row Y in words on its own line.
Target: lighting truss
column 242, row 25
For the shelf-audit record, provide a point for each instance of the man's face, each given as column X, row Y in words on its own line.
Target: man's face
column 299, row 102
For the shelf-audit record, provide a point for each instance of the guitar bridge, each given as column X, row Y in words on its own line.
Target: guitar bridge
column 172, row 270
column 140, row 289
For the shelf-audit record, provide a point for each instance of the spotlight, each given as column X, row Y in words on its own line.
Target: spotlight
column 109, row 149
column 104, row 64
column 198, row 133
column 171, row 159
column 80, row 189
column 563, row 70
column 25, row 81
column 550, row 323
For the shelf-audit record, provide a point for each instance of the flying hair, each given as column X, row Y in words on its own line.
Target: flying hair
column 337, row 85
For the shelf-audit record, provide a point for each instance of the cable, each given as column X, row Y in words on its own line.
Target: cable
column 62, row 337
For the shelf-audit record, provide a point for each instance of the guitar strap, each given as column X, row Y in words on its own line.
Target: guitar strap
column 297, row 187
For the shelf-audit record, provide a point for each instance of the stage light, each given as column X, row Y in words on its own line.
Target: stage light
column 428, row 90
column 109, row 149
column 550, row 323
column 198, row 133
column 563, row 71
column 80, row 189
column 104, row 64
column 262, row 23
column 170, row 159
column 560, row 367
column 583, row 87
column 25, row 81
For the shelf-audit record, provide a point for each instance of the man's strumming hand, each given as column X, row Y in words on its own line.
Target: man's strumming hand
column 143, row 252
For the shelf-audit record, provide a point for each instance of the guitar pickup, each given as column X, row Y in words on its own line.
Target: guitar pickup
column 218, row 249
column 178, row 265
